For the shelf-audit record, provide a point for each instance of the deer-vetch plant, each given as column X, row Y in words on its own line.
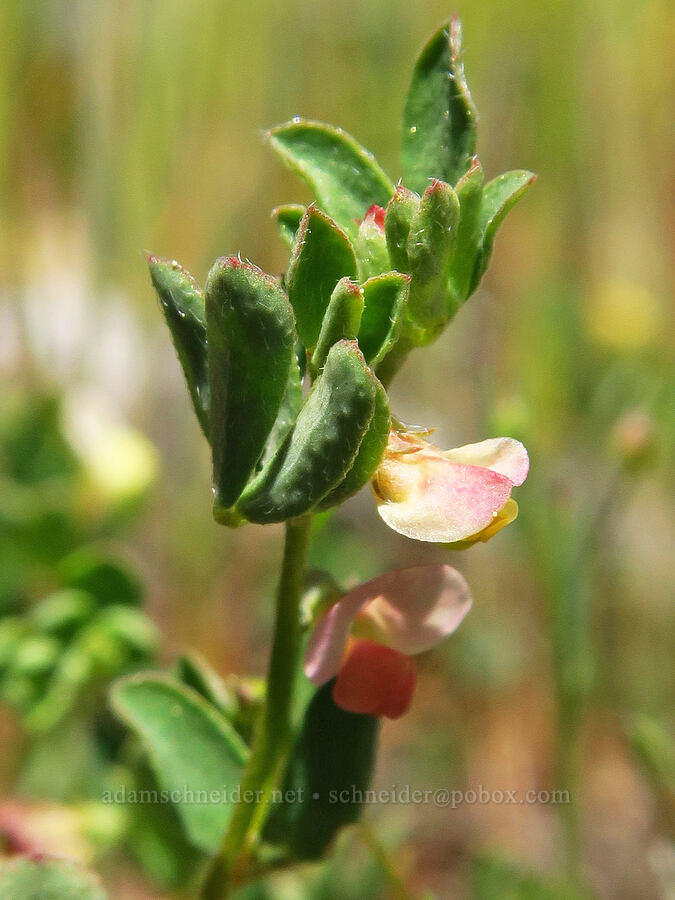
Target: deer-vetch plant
column 288, row 378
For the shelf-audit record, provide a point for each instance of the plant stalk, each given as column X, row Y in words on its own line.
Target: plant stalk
column 274, row 733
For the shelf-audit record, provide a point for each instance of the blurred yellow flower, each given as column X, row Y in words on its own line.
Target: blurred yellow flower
column 623, row 315
column 120, row 463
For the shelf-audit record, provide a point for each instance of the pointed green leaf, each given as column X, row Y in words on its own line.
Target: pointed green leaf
column 22, row 878
column 331, row 764
column 345, row 179
column 370, row 246
column 322, row 255
column 385, row 297
column 341, row 321
column 499, row 196
column 251, row 338
column 401, row 210
column 469, row 231
column 323, row 445
column 194, row 671
column 183, row 308
column 431, row 242
column 288, row 219
column 370, row 453
column 191, row 748
column 439, row 120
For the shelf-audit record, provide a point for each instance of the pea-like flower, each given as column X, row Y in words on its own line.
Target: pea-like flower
column 454, row 497
column 367, row 639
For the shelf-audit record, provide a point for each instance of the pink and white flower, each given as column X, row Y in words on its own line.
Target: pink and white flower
column 453, row 497
column 366, row 641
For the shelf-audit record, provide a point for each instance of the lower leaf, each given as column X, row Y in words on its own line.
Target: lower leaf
column 328, row 772
column 193, row 751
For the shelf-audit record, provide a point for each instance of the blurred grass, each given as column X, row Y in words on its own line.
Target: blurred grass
column 131, row 125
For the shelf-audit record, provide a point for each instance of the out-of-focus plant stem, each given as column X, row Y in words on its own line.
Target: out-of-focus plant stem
column 274, row 731
column 397, row 889
column 574, row 658
column 572, row 655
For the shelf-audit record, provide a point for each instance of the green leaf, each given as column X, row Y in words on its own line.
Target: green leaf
column 469, row 231
column 341, row 320
column 370, row 453
column 324, row 443
column 193, row 670
column 370, row 246
column 106, row 580
column 322, row 255
column 288, row 219
column 331, row 763
column 385, row 297
column 499, row 196
column 75, row 669
column 63, row 612
column 191, row 748
column 431, row 242
column 345, row 178
column 157, row 840
column 439, row 120
column 12, row 631
column 130, row 628
column 183, row 308
column 47, row 879
column 251, row 339
column 118, row 638
column 401, row 210
column 655, row 747
column 35, row 656
column 291, row 404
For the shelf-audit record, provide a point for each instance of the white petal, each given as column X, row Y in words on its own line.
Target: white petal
column 503, row 455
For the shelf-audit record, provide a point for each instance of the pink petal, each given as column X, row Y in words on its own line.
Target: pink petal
column 429, row 498
column 416, row 608
column 409, row 610
column 503, row 455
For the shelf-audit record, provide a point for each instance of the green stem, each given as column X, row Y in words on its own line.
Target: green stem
column 569, row 721
column 274, row 733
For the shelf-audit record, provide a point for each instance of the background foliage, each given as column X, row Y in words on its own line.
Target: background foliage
column 133, row 125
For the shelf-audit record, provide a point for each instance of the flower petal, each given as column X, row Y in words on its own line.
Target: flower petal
column 409, row 610
column 503, row 455
column 415, row 608
column 428, row 498
column 508, row 514
column 430, row 495
column 375, row 680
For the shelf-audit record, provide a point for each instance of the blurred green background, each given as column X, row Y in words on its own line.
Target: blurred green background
column 132, row 126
